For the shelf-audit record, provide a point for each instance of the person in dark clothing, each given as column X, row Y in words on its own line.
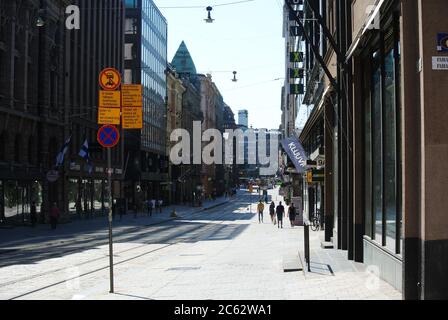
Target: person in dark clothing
column 272, row 212
column 292, row 214
column 54, row 216
column 280, row 210
column 149, row 204
column 33, row 214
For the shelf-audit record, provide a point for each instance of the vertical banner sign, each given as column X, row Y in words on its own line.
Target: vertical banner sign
column 132, row 102
column 296, row 153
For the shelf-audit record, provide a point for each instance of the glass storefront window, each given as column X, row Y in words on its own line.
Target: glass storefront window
column 390, row 147
column 12, row 202
column 73, row 196
column 98, row 195
column 377, row 155
column 381, row 142
column 367, row 152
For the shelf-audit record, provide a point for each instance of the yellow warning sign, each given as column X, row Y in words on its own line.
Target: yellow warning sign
column 109, row 99
column 109, row 116
column 131, row 95
column 132, row 118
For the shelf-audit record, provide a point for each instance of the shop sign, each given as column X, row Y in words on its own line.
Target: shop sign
column 52, row 176
column 296, row 153
column 75, row 167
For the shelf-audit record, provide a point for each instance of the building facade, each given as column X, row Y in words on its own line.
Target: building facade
column 176, row 91
column 48, row 93
column 379, row 128
column 243, row 118
column 189, row 183
column 147, row 161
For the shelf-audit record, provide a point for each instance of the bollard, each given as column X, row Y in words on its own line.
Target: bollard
column 307, row 244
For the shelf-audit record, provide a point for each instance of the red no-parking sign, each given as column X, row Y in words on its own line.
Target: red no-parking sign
column 108, row 136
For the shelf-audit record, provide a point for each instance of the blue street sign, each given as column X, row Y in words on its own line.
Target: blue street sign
column 442, row 42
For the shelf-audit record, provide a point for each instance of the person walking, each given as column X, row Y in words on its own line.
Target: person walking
column 54, row 216
column 260, row 209
column 272, row 212
column 33, row 214
column 280, row 210
column 160, row 205
column 149, row 204
column 292, row 214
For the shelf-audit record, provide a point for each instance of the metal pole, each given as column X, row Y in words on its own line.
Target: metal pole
column 111, row 256
column 307, row 244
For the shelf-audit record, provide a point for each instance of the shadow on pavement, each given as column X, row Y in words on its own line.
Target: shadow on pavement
column 203, row 226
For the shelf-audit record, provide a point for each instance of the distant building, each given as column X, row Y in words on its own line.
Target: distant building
column 176, row 90
column 182, row 61
column 187, row 180
column 146, row 63
column 243, row 118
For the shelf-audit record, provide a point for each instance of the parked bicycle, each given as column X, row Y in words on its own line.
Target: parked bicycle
column 315, row 221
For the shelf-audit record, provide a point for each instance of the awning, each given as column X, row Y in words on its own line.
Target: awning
column 364, row 30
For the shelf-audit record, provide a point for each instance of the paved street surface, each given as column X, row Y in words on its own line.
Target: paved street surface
column 219, row 253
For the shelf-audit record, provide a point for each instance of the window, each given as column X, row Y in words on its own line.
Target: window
column 3, row 141
column 131, row 26
column 377, row 163
column 390, row 144
column 367, row 151
column 381, row 141
column 17, row 145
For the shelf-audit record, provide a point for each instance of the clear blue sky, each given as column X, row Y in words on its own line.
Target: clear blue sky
column 245, row 37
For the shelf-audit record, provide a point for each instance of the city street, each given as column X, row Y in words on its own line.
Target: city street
column 219, row 253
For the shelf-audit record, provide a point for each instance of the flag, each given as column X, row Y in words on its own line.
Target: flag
column 84, row 153
column 61, row 155
column 296, row 153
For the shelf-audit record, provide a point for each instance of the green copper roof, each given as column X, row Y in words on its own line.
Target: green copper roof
column 182, row 61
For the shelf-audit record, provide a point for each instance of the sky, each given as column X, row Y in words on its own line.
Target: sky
column 246, row 38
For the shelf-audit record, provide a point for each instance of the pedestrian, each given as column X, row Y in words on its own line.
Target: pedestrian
column 160, row 205
column 260, row 209
column 292, row 214
column 54, row 216
column 33, row 214
column 280, row 210
column 134, row 206
column 149, row 204
column 272, row 212
column 154, row 205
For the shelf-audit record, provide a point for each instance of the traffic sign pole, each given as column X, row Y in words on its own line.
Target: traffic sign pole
column 108, row 136
column 111, row 253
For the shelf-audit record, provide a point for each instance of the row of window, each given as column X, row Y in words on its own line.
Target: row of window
column 381, row 87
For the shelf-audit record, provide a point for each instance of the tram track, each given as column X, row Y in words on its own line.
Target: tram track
column 199, row 232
